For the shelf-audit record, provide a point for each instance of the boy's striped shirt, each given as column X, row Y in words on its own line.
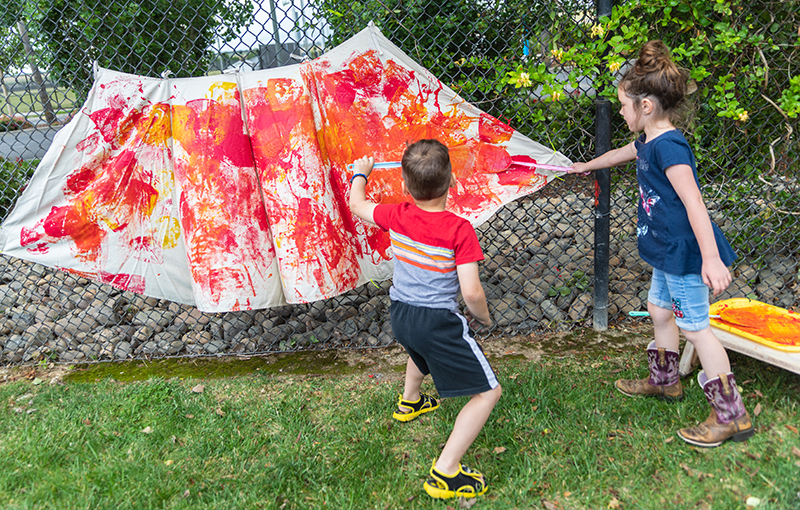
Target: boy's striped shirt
column 428, row 247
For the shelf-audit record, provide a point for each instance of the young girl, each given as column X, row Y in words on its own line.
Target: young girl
column 688, row 252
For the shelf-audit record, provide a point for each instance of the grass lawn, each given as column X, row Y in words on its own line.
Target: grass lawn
column 311, row 431
column 22, row 103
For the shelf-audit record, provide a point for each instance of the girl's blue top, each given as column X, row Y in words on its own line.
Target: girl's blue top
column 666, row 239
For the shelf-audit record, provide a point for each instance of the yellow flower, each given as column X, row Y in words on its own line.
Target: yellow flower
column 524, row 80
column 556, row 95
column 598, row 30
column 614, row 66
column 743, row 117
column 557, row 53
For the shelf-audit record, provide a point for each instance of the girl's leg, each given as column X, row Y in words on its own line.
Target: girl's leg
column 663, row 355
column 468, row 424
column 713, row 357
column 664, row 328
column 728, row 418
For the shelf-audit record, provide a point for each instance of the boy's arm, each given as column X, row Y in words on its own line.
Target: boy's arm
column 472, row 292
column 359, row 205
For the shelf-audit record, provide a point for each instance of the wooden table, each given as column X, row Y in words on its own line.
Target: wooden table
column 787, row 360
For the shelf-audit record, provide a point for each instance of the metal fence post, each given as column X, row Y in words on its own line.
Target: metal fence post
column 602, row 200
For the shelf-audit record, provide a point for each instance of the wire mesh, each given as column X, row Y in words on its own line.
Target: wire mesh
column 539, row 266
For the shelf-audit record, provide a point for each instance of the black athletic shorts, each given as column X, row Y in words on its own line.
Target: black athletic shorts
column 440, row 343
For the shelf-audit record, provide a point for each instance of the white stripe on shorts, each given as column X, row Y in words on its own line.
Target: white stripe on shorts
column 487, row 369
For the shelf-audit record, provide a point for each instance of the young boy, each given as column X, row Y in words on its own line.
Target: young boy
column 436, row 254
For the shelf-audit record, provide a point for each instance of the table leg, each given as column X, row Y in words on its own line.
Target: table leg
column 688, row 360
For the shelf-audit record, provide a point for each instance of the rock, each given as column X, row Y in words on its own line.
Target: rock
column 153, row 318
column 235, row 323
column 531, row 313
column 215, row 346
column 624, row 303
column 38, row 334
column 142, row 335
column 385, row 339
column 551, row 311
column 581, row 307
column 122, row 350
column 147, row 348
column 106, row 336
column 317, row 309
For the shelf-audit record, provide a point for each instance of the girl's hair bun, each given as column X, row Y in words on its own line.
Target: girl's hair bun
column 655, row 74
column 653, row 57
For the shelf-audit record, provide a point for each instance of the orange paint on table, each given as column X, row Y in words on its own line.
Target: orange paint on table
column 767, row 324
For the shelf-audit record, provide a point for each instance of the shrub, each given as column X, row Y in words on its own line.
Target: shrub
column 14, row 176
column 13, row 123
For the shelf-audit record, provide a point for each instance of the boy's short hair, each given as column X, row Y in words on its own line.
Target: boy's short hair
column 427, row 169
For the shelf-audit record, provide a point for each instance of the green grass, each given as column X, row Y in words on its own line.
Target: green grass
column 560, row 436
column 21, row 103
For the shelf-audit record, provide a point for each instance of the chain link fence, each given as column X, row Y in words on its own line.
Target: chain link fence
column 540, row 250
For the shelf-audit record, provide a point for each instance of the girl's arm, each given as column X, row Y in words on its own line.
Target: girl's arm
column 611, row 158
column 714, row 272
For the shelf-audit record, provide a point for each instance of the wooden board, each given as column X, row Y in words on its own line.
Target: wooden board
column 787, row 360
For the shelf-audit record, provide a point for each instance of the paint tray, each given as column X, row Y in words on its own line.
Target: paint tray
column 768, row 325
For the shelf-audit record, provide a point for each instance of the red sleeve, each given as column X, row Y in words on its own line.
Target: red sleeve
column 382, row 216
column 467, row 247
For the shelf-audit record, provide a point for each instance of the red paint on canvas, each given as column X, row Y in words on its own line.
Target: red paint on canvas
column 223, row 218
column 310, row 232
column 491, row 159
column 492, row 130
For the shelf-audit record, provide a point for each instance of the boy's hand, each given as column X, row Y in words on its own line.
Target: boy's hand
column 477, row 325
column 359, row 205
column 363, row 165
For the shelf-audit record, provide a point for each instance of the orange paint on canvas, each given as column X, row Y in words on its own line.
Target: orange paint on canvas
column 290, row 160
column 155, row 125
column 763, row 323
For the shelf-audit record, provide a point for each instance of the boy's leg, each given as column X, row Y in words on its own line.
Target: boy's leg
column 413, row 381
column 468, row 425
column 412, row 402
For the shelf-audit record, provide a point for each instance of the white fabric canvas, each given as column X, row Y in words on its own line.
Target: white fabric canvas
column 230, row 192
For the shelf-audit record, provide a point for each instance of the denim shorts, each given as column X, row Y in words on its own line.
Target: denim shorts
column 686, row 295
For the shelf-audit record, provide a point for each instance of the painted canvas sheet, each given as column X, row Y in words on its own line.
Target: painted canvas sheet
column 102, row 202
column 222, row 217
column 230, row 192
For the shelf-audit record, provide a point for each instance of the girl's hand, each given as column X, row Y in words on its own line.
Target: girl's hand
column 363, row 165
column 579, row 168
column 716, row 276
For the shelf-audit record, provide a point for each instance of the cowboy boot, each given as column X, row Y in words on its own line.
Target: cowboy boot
column 728, row 418
column 664, row 381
